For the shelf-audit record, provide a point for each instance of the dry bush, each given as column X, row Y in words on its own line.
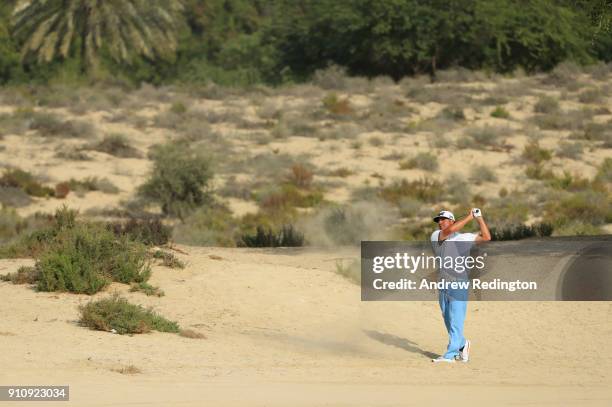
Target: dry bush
column 300, row 176
column 349, row 224
column 350, row 271
column 570, row 150
column 563, row 75
column 23, row 180
column 191, row 334
column 288, row 196
column 424, row 161
column 600, row 70
column 116, row 145
column 168, row 259
column 481, row 174
column 546, row 104
column 337, row 106
column 89, row 184
column 342, row 172
column 445, row 94
column 23, row 275
column 71, row 153
column 487, row 137
column 566, row 120
column 592, row 95
column 461, row 75
column 424, row 190
column 334, row 77
column 131, row 369
column 209, row 226
column 146, row 229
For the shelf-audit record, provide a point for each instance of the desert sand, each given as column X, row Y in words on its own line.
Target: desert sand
column 282, row 328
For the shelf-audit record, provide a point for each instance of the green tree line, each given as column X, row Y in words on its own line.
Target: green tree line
column 256, row 41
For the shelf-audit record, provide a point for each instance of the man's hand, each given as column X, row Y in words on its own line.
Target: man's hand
column 485, row 234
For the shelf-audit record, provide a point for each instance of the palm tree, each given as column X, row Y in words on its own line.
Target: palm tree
column 121, row 28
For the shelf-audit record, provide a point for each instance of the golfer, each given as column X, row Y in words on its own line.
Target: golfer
column 448, row 242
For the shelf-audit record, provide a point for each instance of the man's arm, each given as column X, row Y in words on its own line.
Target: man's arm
column 484, row 235
column 455, row 227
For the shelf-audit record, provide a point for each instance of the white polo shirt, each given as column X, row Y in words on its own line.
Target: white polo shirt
column 462, row 247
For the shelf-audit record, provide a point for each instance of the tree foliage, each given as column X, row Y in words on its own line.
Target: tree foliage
column 242, row 42
column 120, row 29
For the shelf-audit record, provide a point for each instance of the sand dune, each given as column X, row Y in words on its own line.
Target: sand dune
column 282, row 328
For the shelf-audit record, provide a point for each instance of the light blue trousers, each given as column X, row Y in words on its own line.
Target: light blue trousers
column 453, row 304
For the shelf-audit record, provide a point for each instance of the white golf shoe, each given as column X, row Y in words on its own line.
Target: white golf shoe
column 465, row 352
column 442, row 359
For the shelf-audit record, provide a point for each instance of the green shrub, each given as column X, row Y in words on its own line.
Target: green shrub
column 604, row 172
column 424, row 161
column 116, row 313
column 569, row 182
column 178, row 108
column 116, row 145
column 147, row 289
column 500, row 113
column 287, row 236
column 179, row 181
column 35, row 242
column 536, row 154
column 537, row 172
column 589, row 207
column 87, row 257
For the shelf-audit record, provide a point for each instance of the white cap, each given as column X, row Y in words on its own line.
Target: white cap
column 444, row 214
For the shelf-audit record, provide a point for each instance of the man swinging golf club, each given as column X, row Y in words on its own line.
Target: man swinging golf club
column 448, row 242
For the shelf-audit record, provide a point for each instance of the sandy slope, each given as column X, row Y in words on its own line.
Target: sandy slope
column 283, row 329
